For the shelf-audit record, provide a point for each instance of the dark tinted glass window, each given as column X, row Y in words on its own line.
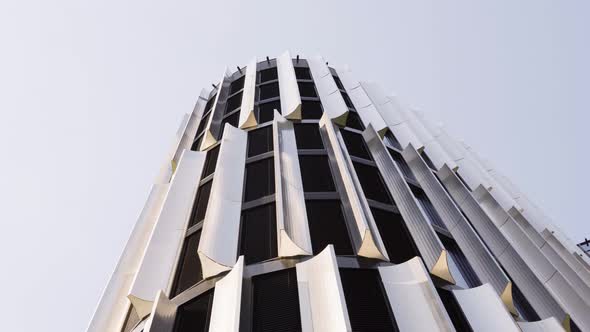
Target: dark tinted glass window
column 461, row 262
column 427, row 206
column 454, row 310
column 302, row 73
column 347, row 100
column 266, row 111
column 211, row 161
column 232, row 120
column 259, row 234
column 233, row 103
column 276, row 302
column 427, row 160
column 355, row 144
column 200, row 206
column 308, row 136
column 311, row 109
column 268, row 75
column 372, row 183
column 523, row 306
column 203, row 123
column 392, row 141
column 260, row 141
column 328, row 226
column 401, row 163
column 189, row 267
column 368, row 307
column 269, row 91
column 197, row 143
column 260, row 179
column 396, row 238
column 236, row 85
column 194, row 316
column 307, row 89
column 338, row 82
column 316, row 174
column 353, row 121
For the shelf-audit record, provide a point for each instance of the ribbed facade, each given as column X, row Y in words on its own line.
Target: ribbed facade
column 297, row 198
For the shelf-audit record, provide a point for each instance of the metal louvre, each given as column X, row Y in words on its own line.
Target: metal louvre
column 328, row 91
column 290, row 99
column 213, row 125
column 247, row 117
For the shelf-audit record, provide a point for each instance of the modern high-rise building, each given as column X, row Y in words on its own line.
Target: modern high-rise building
column 297, row 198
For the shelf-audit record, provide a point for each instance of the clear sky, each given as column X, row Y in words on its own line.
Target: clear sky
column 92, row 93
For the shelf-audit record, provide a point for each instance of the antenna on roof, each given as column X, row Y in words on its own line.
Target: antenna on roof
column 268, row 60
column 239, row 69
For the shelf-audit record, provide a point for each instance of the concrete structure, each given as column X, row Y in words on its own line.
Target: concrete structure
column 297, row 198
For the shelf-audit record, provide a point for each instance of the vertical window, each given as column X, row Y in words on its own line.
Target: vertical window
column 233, row 103
column 259, row 234
column 194, row 316
column 259, row 179
column 211, row 161
column 237, row 85
column 232, row 120
column 260, row 141
column 523, row 306
column 467, row 277
column 392, row 141
column 353, row 121
column 372, row 183
column 308, row 136
column 427, row 206
column 267, row 91
column 203, row 123
column 311, row 110
column 189, row 267
column 268, row 75
column 276, row 302
column 328, row 226
column 307, row 89
column 302, row 73
column 401, row 163
column 427, row 160
column 396, row 238
column 266, row 111
column 316, row 174
column 347, row 100
column 338, row 82
column 201, row 201
column 367, row 304
column 355, row 144
column 454, row 310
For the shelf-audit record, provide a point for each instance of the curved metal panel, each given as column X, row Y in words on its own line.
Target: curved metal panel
column 213, row 127
column 321, row 299
column 227, row 299
column 413, row 298
column 435, row 151
column 292, row 225
column 484, row 310
column 537, row 295
column 159, row 260
column 247, row 118
column 162, row 315
column 288, row 88
column 365, row 108
column 424, row 236
column 189, row 130
column 546, row 325
column 332, row 101
column 371, row 244
column 552, row 244
column 113, row 306
column 219, row 238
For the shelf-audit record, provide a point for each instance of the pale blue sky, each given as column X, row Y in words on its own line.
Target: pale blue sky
column 92, row 92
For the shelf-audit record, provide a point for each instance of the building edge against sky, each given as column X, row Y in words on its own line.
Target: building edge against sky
column 293, row 185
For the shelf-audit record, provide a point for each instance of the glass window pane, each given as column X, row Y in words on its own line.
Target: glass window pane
column 260, row 141
column 302, row 73
column 396, row 238
column 308, row 136
column 233, row 103
column 194, row 316
column 427, row 206
column 328, row 226
column 307, row 89
column 347, row 100
column 203, row 123
column 454, row 310
column 355, row 144
column 401, row 163
column 316, row 174
column 275, row 303
column 260, row 180
column 266, row 111
column 237, row 85
column 189, row 266
column 353, row 121
column 268, row 75
column 338, row 82
column 372, row 183
column 211, row 161
column 200, row 206
column 259, row 234
column 269, row 91
column 311, row 110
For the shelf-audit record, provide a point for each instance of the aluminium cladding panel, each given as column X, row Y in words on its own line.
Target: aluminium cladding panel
column 159, row 260
column 365, row 108
column 435, row 151
column 552, row 244
column 424, row 236
column 391, row 112
column 288, row 88
column 371, row 243
column 321, row 298
column 213, row 126
column 479, row 257
column 413, row 298
column 568, row 288
column 162, row 316
column 247, row 118
column 292, row 226
column 332, row 101
column 218, row 246
column 526, row 280
column 188, row 131
column 227, row 300
column 546, row 325
column 484, row 310
column 113, row 306
column 527, row 227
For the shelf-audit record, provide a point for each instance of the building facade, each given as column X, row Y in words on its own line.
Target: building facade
column 297, row 198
